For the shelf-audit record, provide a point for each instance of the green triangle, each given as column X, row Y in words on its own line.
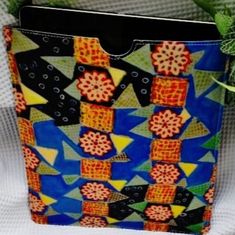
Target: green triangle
column 143, row 130
column 116, row 196
column 194, row 130
column 139, row 206
column 217, row 95
column 195, row 204
column 182, row 183
column 144, row 112
column 141, row 58
column 196, row 228
column 196, row 57
column 73, row 91
column 51, row 212
column 203, row 80
column 70, row 153
column 44, row 169
column 213, row 142
column 74, row 215
column 65, row 64
column 137, row 180
column 172, row 223
column 200, row 190
column 122, row 157
column 71, row 131
column 21, row 43
column 134, row 217
column 38, row 116
column 208, row 158
column 70, row 179
column 74, row 194
column 127, row 99
column 146, row 166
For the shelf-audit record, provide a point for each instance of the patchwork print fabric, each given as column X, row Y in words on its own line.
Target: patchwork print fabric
column 128, row 142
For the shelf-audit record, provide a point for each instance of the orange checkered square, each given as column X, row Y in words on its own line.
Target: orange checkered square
column 95, row 169
column 95, row 208
column 89, row 51
column 169, row 91
column 26, row 131
column 13, row 68
column 39, row 219
column 156, row 227
column 97, row 117
column 162, row 194
column 166, row 150
column 33, row 180
column 207, row 213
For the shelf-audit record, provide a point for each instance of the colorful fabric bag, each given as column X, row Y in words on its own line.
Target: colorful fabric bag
column 129, row 141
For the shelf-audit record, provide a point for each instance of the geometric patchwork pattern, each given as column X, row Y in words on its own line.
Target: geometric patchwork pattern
column 118, row 141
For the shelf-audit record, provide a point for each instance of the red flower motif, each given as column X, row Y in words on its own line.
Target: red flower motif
column 95, row 191
column 95, row 143
column 165, row 123
column 93, row 221
column 35, row 204
column 165, row 173
column 171, row 58
column 158, row 213
column 96, row 86
column 30, row 159
column 209, row 196
column 19, row 100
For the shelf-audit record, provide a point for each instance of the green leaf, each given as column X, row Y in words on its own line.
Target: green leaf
column 228, row 46
column 228, row 87
column 14, row 6
column 223, row 22
column 207, row 6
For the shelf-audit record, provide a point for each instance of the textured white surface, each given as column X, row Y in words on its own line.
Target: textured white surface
column 14, row 214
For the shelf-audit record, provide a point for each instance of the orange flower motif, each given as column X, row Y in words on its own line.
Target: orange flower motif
column 96, row 86
column 165, row 173
column 35, row 204
column 95, row 143
column 171, row 58
column 206, row 229
column 165, row 123
column 93, row 221
column 95, row 191
column 20, row 102
column 158, row 213
column 31, row 160
column 209, row 196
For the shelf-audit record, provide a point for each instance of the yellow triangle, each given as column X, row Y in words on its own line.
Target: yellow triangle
column 46, row 199
column 111, row 220
column 117, row 75
column 118, row 184
column 120, row 141
column 177, row 210
column 32, row 97
column 185, row 115
column 48, row 154
column 188, row 168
